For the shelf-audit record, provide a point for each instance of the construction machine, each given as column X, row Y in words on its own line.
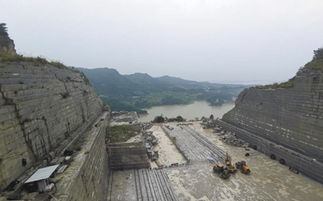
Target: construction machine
column 243, row 167
column 225, row 170
column 221, row 171
column 228, row 162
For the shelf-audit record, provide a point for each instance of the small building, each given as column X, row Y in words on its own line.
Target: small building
column 39, row 181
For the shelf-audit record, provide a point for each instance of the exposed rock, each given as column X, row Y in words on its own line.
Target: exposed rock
column 43, row 106
column 230, row 138
column 150, row 141
column 86, row 177
column 290, row 116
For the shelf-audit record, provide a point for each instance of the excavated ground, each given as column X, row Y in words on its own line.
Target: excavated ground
column 195, row 180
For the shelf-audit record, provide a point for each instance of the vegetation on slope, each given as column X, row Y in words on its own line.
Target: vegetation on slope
column 122, row 133
column 162, row 119
column 6, row 44
column 137, row 91
column 20, row 58
column 10, row 57
column 276, row 85
column 316, row 63
column 3, row 29
column 136, row 103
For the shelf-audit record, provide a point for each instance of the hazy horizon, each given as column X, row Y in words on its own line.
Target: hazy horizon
column 252, row 82
column 222, row 41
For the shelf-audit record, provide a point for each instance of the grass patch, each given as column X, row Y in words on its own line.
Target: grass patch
column 18, row 58
column 38, row 60
column 121, row 133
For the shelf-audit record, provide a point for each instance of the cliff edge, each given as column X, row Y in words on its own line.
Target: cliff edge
column 287, row 116
column 43, row 106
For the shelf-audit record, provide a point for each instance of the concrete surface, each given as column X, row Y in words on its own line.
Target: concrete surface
column 268, row 181
column 140, row 185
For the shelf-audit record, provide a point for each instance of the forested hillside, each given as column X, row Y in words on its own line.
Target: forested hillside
column 139, row 90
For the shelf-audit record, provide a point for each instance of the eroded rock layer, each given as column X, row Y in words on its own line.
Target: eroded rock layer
column 42, row 107
column 289, row 115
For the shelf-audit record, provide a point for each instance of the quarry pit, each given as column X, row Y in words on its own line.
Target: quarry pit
column 183, row 172
column 52, row 117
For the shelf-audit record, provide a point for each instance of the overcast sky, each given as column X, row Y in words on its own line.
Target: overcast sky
column 237, row 41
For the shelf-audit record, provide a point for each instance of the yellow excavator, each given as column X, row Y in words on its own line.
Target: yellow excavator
column 225, row 170
column 243, row 167
column 222, row 171
column 228, row 162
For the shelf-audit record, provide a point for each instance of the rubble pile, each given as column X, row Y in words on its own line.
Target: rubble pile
column 146, row 125
column 225, row 136
column 208, row 123
column 150, row 142
column 231, row 139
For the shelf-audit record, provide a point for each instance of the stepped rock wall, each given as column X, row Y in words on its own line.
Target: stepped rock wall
column 297, row 161
column 290, row 117
column 42, row 107
column 87, row 177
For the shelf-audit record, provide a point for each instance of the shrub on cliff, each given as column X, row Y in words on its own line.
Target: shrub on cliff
column 317, row 62
column 180, row 119
column 318, row 54
column 3, row 29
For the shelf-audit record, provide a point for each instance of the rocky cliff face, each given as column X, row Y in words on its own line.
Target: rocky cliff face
column 43, row 106
column 289, row 114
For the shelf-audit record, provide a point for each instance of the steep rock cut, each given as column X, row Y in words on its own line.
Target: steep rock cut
column 285, row 120
column 43, row 106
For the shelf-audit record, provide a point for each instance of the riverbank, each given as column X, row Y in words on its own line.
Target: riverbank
column 191, row 111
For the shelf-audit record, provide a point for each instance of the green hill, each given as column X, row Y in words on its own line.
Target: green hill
column 139, row 90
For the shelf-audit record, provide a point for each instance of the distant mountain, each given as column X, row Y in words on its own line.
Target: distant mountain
column 140, row 90
column 109, row 81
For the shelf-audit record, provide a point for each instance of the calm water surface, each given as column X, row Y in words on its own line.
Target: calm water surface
column 190, row 111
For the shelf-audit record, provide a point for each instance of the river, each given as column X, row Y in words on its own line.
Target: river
column 189, row 111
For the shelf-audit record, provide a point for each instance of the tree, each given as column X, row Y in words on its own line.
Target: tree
column 318, row 54
column 3, row 28
column 180, row 119
column 159, row 119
